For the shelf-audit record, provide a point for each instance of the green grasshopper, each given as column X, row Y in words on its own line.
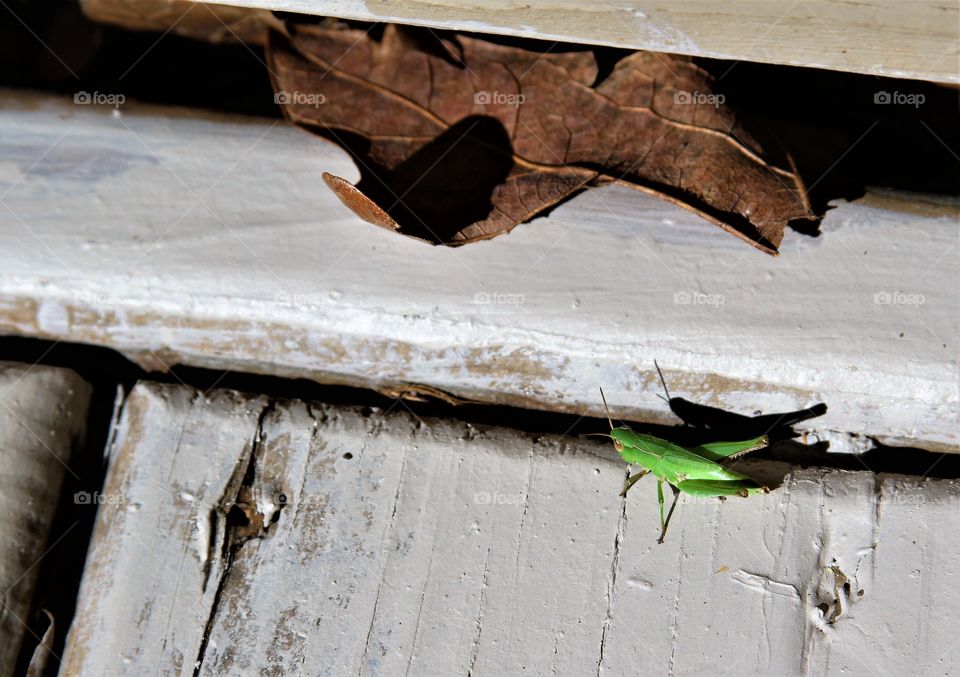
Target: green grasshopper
column 696, row 471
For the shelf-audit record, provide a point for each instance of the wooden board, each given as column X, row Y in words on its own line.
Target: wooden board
column 175, row 236
column 391, row 544
column 43, row 414
column 917, row 39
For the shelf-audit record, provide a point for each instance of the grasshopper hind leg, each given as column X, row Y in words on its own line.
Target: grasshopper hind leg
column 630, row 481
column 666, row 523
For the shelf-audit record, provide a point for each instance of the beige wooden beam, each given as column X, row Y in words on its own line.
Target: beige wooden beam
column 913, row 39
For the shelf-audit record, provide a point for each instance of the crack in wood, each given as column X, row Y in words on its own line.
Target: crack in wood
column 475, row 646
column 388, row 532
column 231, row 543
column 612, row 578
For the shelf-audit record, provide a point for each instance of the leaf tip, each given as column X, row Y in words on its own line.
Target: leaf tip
column 359, row 203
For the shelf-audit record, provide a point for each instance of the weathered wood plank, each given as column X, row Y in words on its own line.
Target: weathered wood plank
column 211, row 241
column 328, row 546
column 381, row 544
column 157, row 552
column 916, row 39
column 43, row 417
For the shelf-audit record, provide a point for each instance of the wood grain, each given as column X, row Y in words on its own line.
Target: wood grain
column 43, row 418
column 439, row 548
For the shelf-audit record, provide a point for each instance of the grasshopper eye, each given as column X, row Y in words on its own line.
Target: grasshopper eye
column 618, row 445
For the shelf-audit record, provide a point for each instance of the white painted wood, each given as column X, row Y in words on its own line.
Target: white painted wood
column 157, row 551
column 43, row 414
column 915, row 39
column 177, row 236
column 438, row 548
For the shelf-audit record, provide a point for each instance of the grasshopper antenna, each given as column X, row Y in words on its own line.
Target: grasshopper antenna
column 609, row 420
column 663, row 383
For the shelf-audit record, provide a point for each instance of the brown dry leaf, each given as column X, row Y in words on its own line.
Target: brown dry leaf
column 417, row 392
column 460, row 139
column 214, row 23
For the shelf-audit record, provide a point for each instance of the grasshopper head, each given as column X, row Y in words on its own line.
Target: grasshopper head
column 621, row 437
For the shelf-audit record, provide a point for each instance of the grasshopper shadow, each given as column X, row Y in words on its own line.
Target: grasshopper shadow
column 719, row 423
column 704, row 423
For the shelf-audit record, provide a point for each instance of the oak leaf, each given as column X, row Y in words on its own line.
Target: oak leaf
column 460, row 138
